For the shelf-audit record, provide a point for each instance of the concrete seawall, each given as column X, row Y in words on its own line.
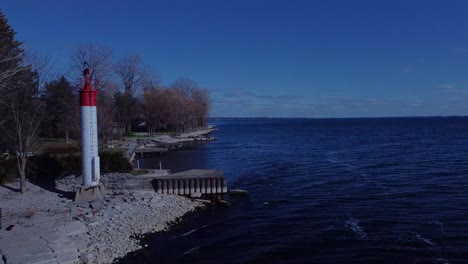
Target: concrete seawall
column 192, row 182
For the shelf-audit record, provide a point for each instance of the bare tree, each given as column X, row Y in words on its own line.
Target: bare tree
column 25, row 127
column 155, row 109
column 25, row 111
column 21, row 108
column 175, row 110
column 184, row 86
column 7, row 71
column 195, row 103
column 105, row 115
column 202, row 105
column 132, row 72
column 134, row 75
column 180, row 107
column 44, row 66
column 99, row 61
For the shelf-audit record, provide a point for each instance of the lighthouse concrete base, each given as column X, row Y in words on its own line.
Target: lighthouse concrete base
column 90, row 194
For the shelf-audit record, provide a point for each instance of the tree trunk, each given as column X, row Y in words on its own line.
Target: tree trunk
column 128, row 128
column 151, row 130
column 66, row 137
column 128, row 117
column 22, row 171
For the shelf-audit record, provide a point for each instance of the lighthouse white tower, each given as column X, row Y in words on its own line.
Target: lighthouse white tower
column 89, row 137
column 91, row 189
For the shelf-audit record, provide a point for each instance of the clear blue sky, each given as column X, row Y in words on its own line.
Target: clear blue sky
column 277, row 58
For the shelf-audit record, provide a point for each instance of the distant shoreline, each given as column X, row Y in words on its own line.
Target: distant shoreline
column 325, row 118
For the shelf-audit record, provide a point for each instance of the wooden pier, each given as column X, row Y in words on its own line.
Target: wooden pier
column 192, row 182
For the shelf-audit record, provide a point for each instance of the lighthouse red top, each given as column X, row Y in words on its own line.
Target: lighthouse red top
column 88, row 95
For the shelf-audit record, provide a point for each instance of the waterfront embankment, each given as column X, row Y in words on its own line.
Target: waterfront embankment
column 143, row 143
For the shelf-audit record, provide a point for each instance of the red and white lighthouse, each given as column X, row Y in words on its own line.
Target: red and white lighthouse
column 89, row 133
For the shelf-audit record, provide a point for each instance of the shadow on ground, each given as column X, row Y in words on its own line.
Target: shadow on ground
column 50, row 186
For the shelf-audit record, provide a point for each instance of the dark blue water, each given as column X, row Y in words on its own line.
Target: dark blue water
column 391, row 190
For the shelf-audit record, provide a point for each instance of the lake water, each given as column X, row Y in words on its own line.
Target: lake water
column 390, row 190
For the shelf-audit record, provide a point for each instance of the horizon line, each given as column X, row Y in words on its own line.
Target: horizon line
column 362, row 117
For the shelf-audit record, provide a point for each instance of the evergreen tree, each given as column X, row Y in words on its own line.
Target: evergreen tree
column 11, row 53
column 9, row 47
column 60, row 103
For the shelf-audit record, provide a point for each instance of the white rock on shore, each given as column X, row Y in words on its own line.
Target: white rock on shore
column 48, row 228
column 199, row 135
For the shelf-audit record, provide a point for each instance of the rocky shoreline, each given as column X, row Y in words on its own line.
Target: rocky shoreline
column 47, row 226
column 201, row 134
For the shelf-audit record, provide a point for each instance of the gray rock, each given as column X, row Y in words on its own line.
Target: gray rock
column 195, row 195
column 96, row 205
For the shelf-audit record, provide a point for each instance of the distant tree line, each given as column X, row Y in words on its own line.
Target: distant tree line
column 37, row 99
column 130, row 98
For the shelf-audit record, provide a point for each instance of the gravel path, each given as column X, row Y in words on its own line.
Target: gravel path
column 48, row 228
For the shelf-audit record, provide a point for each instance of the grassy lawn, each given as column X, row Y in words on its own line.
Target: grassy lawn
column 141, row 135
column 59, row 147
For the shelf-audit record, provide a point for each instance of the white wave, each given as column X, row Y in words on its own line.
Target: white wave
column 437, row 223
column 189, row 232
column 353, row 225
column 425, row 240
column 192, row 250
column 348, row 167
column 443, row 261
